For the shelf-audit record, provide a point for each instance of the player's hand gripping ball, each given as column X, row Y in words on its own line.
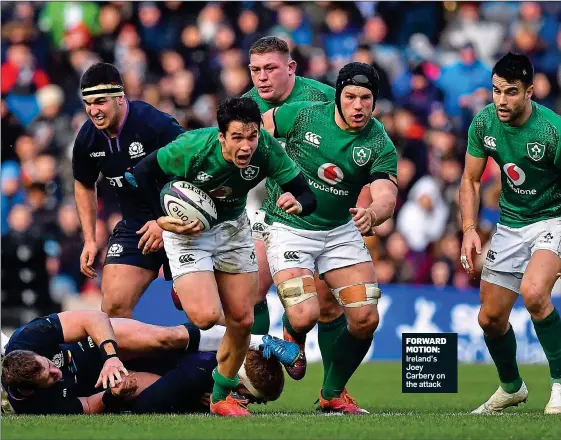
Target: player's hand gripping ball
column 184, row 201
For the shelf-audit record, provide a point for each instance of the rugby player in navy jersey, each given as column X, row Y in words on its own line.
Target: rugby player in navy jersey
column 55, row 365
column 118, row 134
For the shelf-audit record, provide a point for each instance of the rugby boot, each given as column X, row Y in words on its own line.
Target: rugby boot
column 286, row 352
column 501, row 400
column 554, row 404
column 298, row 370
column 344, row 404
column 230, row 407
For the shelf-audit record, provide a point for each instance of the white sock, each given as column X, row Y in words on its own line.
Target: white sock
column 255, row 341
column 211, row 339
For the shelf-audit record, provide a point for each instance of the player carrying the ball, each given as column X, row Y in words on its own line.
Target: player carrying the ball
column 216, row 268
column 524, row 138
column 340, row 149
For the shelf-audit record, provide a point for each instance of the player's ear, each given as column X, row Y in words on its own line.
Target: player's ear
column 291, row 66
column 221, row 138
column 530, row 91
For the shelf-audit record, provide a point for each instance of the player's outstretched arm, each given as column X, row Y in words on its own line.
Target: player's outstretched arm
column 469, row 204
column 86, row 204
column 78, row 325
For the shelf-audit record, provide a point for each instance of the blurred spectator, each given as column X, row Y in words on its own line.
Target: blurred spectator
column 12, row 191
column 109, row 22
column 466, row 86
column 11, row 131
column 340, row 38
column 423, row 217
column 69, row 24
column 25, row 280
column 292, row 22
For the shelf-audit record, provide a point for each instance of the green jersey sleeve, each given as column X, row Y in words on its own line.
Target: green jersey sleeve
column 174, row 159
column 281, row 168
column 475, row 147
column 386, row 161
column 286, row 115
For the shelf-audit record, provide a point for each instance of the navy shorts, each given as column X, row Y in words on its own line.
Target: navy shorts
column 123, row 249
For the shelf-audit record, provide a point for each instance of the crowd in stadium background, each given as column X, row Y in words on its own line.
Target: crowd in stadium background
column 434, row 60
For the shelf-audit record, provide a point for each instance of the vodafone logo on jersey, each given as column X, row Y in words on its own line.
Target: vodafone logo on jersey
column 514, row 173
column 330, row 173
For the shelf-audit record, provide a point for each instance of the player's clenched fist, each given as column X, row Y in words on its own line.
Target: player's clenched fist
column 288, row 203
column 172, row 224
column 470, row 241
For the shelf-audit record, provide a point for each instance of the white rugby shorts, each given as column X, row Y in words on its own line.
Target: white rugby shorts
column 511, row 249
column 227, row 247
column 317, row 251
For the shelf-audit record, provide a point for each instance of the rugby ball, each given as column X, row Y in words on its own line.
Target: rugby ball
column 183, row 200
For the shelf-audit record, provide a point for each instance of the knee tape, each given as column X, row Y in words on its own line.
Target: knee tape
column 296, row 290
column 358, row 295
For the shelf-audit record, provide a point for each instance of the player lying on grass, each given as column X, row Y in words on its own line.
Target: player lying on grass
column 221, row 273
column 340, row 149
column 54, row 364
column 524, row 139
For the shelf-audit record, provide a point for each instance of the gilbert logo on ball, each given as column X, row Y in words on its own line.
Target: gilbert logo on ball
column 185, row 201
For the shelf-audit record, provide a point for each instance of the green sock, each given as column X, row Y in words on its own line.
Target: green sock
column 300, row 338
column 222, row 385
column 503, row 352
column 348, row 353
column 548, row 331
column 261, row 320
column 327, row 335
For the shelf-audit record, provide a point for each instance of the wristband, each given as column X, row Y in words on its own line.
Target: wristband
column 112, row 403
column 466, row 228
column 107, row 351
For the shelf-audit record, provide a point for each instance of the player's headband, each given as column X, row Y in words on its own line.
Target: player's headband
column 243, row 376
column 103, row 90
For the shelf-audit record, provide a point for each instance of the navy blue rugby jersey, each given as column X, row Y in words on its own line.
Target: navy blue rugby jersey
column 145, row 130
column 80, row 363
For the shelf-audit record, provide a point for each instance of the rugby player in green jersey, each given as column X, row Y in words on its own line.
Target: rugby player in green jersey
column 340, row 148
column 216, row 268
column 275, row 82
column 524, row 139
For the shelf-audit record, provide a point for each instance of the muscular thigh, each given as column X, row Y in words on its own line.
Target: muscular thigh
column 237, row 292
column 123, row 285
column 496, row 301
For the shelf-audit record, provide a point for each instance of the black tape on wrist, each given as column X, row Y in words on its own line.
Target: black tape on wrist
column 108, row 352
column 112, row 403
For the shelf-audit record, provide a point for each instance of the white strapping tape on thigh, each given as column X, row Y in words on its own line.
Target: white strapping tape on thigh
column 357, row 295
column 247, row 383
column 296, row 290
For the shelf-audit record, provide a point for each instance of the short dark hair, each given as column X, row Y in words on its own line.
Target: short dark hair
column 265, row 375
column 244, row 110
column 515, row 67
column 269, row 44
column 21, row 369
column 101, row 73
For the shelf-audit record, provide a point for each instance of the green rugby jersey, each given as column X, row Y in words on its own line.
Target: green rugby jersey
column 196, row 156
column 530, row 160
column 336, row 163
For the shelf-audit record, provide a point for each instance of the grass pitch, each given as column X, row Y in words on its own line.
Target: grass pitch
column 376, row 386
